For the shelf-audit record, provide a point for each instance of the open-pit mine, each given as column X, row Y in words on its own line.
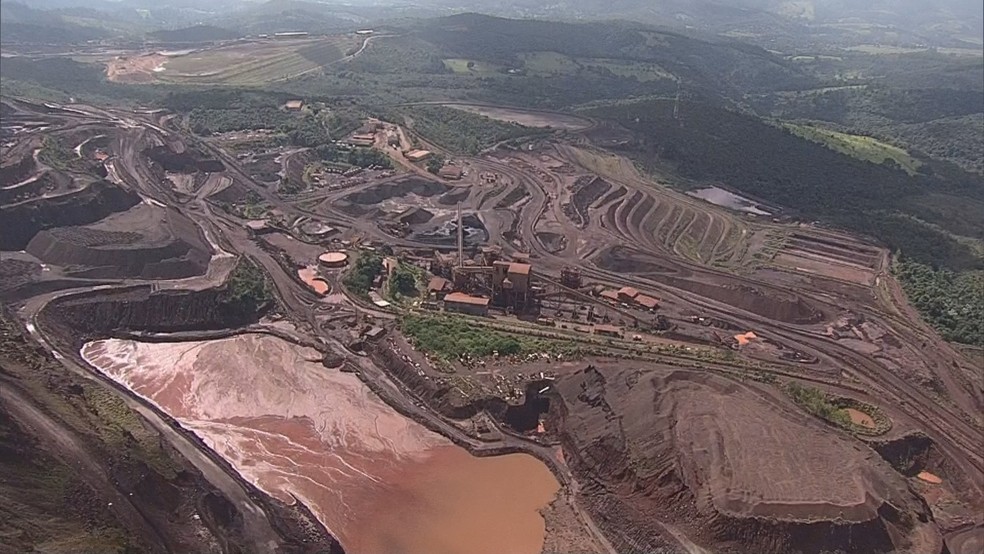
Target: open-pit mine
column 584, row 359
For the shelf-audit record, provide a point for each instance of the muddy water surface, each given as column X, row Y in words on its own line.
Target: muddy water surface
column 380, row 482
column 727, row 199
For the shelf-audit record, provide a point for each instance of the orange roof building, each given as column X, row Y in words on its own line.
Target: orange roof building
column 647, row 302
column 627, row 293
column 467, row 304
column 609, row 294
column 417, row 155
column 519, row 269
column 438, row 285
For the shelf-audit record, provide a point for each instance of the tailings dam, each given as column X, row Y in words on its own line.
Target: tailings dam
column 379, row 481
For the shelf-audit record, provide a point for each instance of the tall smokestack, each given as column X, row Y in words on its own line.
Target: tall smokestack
column 461, row 239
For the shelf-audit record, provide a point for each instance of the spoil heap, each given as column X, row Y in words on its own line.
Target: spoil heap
column 738, row 470
column 146, row 241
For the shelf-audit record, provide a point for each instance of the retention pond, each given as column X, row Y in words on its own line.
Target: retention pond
column 379, row 481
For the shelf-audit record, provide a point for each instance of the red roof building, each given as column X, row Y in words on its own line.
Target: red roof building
column 627, row 293
column 467, row 304
column 609, row 294
column 647, row 302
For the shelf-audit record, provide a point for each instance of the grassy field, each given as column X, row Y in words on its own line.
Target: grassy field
column 857, row 146
column 450, row 338
column 876, row 49
column 550, row 63
column 460, row 65
column 255, row 63
column 642, row 71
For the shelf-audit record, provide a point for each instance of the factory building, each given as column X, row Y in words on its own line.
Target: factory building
column 609, row 294
column 417, row 155
column 466, row 304
column 511, row 283
column 451, row 172
column 362, row 139
column 438, row 287
column 608, row 331
column 647, row 302
column 627, row 294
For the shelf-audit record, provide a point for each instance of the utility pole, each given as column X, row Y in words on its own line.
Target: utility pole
column 676, row 105
column 461, row 240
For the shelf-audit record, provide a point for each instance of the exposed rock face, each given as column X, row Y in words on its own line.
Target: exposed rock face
column 738, row 470
column 438, row 396
column 18, row 171
column 77, row 318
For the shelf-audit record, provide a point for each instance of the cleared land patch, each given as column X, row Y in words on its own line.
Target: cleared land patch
column 250, row 63
column 857, row 146
column 470, row 67
column 527, row 118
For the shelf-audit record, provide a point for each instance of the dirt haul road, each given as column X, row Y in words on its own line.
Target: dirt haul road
column 573, row 205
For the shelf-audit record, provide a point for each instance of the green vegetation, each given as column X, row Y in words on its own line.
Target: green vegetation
column 22, row 24
column 222, row 110
column 450, row 338
column 48, row 503
column 62, row 79
column 435, row 163
column 405, row 282
column 817, row 403
column 858, row 146
column 549, row 63
column 246, row 292
column 952, row 303
column 406, row 55
column 942, row 118
column 252, row 207
column 471, row 67
column 290, row 187
column 56, row 154
column 462, row 131
column 836, row 410
column 368, row 265
column 195, row 33
column 205, row 122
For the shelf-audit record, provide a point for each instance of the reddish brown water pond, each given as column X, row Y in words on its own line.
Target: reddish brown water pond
column 380, row 482
column 310, row 277
column 860, row 418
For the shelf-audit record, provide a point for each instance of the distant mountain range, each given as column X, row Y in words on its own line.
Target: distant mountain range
column 785, row 25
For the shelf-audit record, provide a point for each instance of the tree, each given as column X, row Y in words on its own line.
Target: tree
column 435, row 163
column 404, row 283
